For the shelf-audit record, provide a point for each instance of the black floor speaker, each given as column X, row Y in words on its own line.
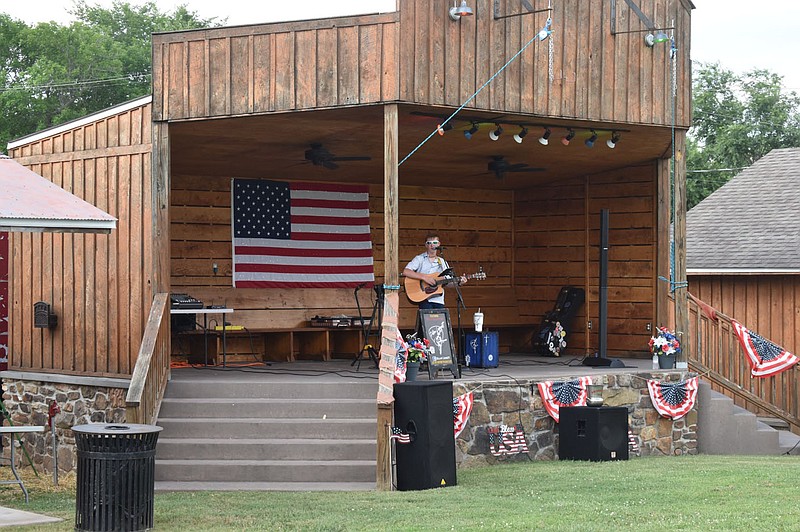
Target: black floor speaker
column 425, row 410
column 594, row 433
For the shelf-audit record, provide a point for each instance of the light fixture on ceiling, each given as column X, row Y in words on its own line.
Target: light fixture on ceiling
column 652, row 38
column 544, row 140
column 440, row 129
column 591, row 140
column 612, row 142
column 521, row 135
column 471, row 131
column 456, row 12
column 568, row 137
column 494, row 135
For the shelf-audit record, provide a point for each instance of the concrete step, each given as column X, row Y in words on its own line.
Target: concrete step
column 259, row 470
column 268, row 428
column 186, row 408
column 168, row 485
column 249, row 389
column 724, row 428
column 788, row 442
column 273, row 448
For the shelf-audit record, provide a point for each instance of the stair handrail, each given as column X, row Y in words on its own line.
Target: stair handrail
column 151, row 372
column 717, row 356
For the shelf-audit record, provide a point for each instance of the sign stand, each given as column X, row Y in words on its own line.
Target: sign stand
column 435, row 326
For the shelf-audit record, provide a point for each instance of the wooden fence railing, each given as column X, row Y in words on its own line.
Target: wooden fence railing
column 151, row 372
column 715, row 353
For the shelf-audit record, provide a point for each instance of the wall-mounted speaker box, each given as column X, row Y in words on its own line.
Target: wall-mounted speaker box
column 596, row 433
column 425, row 410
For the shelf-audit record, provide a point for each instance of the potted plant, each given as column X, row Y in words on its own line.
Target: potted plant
column 665, row 346
column 417, row 354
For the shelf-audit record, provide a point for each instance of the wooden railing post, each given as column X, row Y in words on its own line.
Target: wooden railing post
column 151, row 371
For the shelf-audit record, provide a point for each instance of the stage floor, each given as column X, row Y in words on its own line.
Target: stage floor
column 511, row 367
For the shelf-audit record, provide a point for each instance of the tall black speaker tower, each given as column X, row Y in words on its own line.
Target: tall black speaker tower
column 594, row 433
column 425, row 410
column 600, row 358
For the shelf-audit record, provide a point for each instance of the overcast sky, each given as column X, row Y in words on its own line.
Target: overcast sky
column 739, row 34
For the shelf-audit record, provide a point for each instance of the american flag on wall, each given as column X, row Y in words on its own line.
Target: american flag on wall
column 765, row 358
column 300, row 235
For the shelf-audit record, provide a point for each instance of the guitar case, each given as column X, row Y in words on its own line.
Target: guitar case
column 569, row 301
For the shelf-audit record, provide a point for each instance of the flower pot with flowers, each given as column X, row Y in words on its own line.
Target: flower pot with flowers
column 665, row 346
column 418, row 351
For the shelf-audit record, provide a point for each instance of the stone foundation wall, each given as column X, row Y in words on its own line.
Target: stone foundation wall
column 28, row 403
column 511, row 402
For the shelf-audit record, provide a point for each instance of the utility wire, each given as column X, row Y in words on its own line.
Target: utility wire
column 134, row 77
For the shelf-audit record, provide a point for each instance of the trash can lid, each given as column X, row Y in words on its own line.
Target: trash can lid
column 116, row 428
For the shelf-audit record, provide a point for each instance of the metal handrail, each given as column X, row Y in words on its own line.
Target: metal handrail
column 150, row 375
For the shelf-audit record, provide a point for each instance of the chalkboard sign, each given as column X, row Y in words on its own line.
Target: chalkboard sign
column 437, row 329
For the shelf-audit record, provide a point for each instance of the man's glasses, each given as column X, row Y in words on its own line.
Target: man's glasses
column 431, row 242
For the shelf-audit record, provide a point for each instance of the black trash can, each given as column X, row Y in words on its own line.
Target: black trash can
column 116, row 476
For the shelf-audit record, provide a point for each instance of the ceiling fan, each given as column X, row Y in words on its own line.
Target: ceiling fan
column 499, row 166
column 320, row 156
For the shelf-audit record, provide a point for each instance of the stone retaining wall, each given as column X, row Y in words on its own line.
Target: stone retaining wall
column 511, row 402
column 28, row 403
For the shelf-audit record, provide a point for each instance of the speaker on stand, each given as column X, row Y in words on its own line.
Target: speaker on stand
column 596, row 433
column 425, row 409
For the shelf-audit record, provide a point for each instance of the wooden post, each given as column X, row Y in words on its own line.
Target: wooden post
column 681, row 288
column 391, row 277
column 662, row 255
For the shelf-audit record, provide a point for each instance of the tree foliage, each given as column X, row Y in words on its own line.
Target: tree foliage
column 50, row 73
column 736, row 121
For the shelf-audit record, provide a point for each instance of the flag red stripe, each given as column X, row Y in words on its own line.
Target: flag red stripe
column 329, row 203
column 300, row 252
column 286, row 284
column 300, row 268
column 329, row 220
column 328, row 187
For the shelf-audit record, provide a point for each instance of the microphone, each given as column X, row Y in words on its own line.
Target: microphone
column 362, row 285
column 441, row 248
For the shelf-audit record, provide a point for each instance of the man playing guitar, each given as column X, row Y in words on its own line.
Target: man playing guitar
column 427, row 267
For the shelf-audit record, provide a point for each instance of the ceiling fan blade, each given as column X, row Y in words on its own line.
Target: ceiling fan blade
column 330, row 165
column 351, row 158
column 527, row 169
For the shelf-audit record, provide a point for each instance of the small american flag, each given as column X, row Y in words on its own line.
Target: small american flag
column 556, row 394
column 673, row 400
column 399, row 436
column 400, row 359
column 300, row 235
column 766, row 359
column 462, row 408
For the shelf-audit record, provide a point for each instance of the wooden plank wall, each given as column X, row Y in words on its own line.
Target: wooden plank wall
column 476, row 226
column 766, row 304
column 419, row 55
column 529, row 243
column 276, row 67
column 448, row 61
column 98, row 285
column 557, row 244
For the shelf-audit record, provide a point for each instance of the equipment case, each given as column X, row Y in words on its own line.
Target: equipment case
column 482, row 349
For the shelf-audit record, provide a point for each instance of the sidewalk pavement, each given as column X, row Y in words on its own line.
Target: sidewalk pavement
column 11, row 517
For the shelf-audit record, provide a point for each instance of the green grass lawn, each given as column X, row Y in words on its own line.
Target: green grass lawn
column 683, row 493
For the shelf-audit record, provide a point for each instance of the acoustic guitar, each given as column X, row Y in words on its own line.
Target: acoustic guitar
column 419, row 290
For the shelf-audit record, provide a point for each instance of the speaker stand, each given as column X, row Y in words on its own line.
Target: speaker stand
column 599, row 359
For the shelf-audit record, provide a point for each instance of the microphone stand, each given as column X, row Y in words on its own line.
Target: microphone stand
column 461, row 334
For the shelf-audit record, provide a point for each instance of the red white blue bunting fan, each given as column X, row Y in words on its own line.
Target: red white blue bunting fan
column 506, row 440
column 765, row 358
column 462, row 408
column 556, row 394
column 673, row 400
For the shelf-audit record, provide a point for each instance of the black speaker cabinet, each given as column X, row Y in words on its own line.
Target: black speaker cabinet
column 425, row 409
column 596, row 433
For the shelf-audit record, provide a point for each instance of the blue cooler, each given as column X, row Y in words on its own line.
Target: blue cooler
column 482, row 349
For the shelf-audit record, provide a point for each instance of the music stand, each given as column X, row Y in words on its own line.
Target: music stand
column 366, row 328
